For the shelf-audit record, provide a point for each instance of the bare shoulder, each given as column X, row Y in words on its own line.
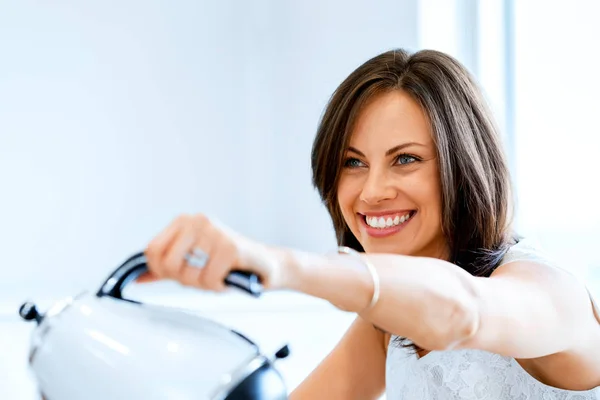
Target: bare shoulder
column 577, row 367
column 566, row 370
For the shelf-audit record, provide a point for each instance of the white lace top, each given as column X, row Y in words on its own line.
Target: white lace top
column 471, row 374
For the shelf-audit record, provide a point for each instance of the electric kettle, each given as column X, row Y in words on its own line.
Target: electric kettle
column 100, row 346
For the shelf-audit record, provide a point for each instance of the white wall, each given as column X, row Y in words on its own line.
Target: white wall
column 117, row 116
column 557, row 132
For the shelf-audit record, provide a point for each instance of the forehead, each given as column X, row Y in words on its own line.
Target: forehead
column 390, row 119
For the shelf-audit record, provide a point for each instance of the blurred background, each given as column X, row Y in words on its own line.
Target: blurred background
column 117, row 116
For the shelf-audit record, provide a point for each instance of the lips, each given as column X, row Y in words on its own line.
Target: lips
column 382, row 224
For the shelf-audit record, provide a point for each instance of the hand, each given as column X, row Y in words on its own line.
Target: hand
column 226, row 250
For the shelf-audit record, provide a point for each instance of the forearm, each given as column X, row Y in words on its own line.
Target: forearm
column 427, row 300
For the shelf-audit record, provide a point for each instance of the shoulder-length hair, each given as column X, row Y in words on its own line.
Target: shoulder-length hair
column 475, row 182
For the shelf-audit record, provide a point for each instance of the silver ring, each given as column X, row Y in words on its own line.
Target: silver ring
column 197, row 258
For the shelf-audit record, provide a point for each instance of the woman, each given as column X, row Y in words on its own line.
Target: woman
column 409, row 164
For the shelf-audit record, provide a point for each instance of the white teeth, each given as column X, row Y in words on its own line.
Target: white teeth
column 381, row 222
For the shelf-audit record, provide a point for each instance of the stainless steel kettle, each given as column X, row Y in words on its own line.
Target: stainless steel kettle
column 102, row 346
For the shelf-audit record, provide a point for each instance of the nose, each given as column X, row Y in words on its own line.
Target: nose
column 377, row 188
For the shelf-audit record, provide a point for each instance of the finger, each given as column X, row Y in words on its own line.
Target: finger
column 147, row 277
column 212, row 277
column 174, row 259
column 190, row 276
column 159, row 245
column 205, row 238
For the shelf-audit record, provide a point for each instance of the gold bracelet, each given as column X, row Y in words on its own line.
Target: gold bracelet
column 372, row 271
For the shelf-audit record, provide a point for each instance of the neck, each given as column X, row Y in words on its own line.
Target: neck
column 437, row 249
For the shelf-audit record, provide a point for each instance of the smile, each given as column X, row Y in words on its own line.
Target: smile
column 386, row 224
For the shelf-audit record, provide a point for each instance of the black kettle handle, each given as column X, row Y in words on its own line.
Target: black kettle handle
column 136, row 265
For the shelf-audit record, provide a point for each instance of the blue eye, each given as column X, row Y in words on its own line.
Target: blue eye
column 404, row 159
column 353, row 163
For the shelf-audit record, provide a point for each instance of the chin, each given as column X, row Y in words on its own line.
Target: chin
column 388, row 248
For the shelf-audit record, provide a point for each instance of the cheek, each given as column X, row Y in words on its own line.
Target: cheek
column 431, row 197
column 425, row 190
column 348, row 192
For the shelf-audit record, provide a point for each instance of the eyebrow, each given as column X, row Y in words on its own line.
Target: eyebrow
column 390, row 151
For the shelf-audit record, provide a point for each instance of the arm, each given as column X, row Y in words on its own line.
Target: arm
column 530, row 310
column 524, row 310
column 427, row 300
column 544, row 317
column 355, row 369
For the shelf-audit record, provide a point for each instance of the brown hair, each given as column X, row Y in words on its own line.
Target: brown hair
column 475, row 183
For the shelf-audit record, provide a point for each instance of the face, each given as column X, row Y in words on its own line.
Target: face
column 389, row 191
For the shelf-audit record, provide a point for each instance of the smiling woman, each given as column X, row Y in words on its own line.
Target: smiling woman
column 409, row 164
column 415, row 138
